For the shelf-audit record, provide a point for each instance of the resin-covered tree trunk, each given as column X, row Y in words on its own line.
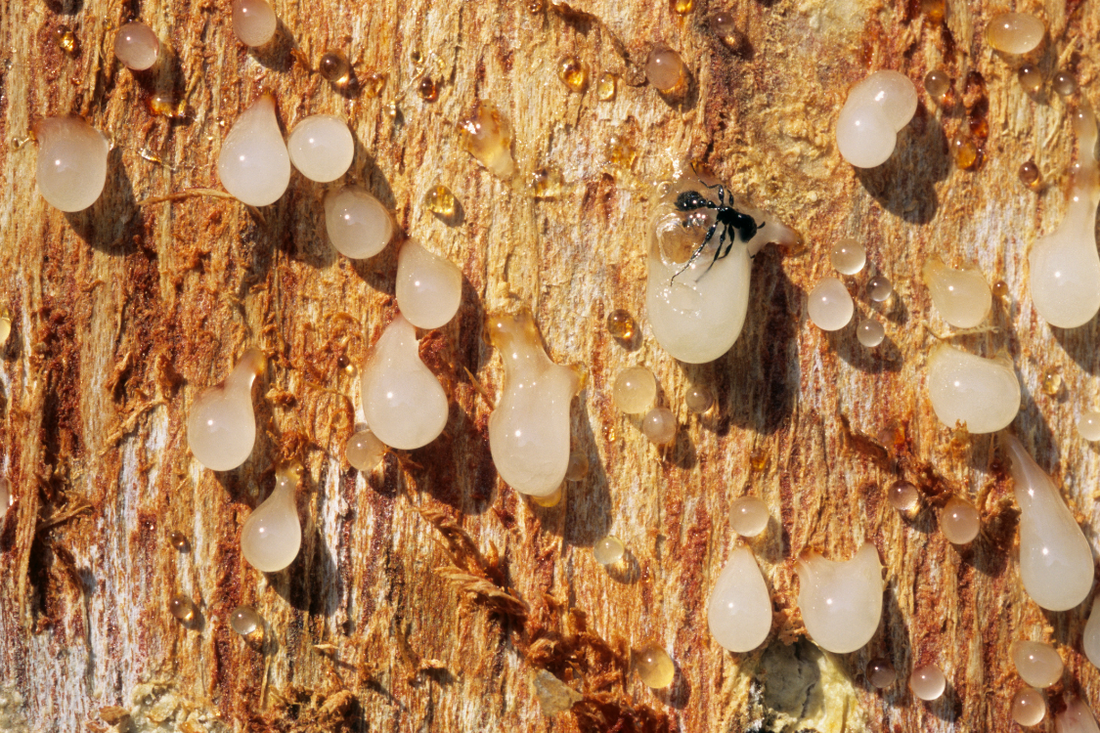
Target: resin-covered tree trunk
column 428, row 595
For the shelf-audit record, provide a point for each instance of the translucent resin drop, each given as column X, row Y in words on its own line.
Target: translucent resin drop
column 962, row 297
column 72, row 162
column 881, row 673
column 748, row 516
column 1065, row 268
column 608, row 550
column 890, row 91
column 864, row 136
column 221, row 427
column 137, row 46
column 659, row 425
column 364, row 450
column 903, row 496
column 870, row 333
column 983, row 393
column 1015, row 33
column 699, row 399
column 928, row 682
column 403, row 402
column 253, row 164
column 321, row 147
column 665, row 70
column 635, row 390
column 245, row 621
column 429, row 287
column 841, row 602
column 960, row 521
column 529, row 429
column 740, row 610
column 829, row 305
column 5, row 496
column 1038, row 664
column 1088, row 425
column 1028, row 707
column 654, row 666
column 487, row 135
column 1076, row 718
column 358, row 225
column 848, row 256
column 183, row 608
column 1091, row 640
column 1056, row 563
column 272, row 535
column 254, row 21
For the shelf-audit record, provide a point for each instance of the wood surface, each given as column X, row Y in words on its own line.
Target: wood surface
column 428, row 595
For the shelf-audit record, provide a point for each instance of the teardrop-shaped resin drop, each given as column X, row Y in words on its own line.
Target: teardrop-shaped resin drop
column 1091, row 640
column 429, row 287
column 321, row 147
column 1038, row 664
column 357, row 223
column 1076, row 718
column 403, row 402
column 865, row 136
column 529, row 429
column 1015, row 33
column 272, row 535
column 1065, row 267
column 841, row 602
column 890, row 91
column 983, row 393
column 740, row 610
column 254, row 21
column 72, row 162
column 1056, row 562
column 962, row 297
column 221, row 427
column 253, row 164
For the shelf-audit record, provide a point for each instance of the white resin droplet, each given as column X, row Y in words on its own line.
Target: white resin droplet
column 635, row 390
column 253, row 164
column 272, row 535
column 870, row 333
column 928, row 682
column 529, row 429
column 1076, row 718
column 848, row 256
column 1088, row 425
column 983, row 393
column 1038, row 664
column 748, row 516
column 429, row 287
column 962, row 297
column 357, row 223
column 1091, row 640
column 403, row 402
column 137, row 46
column 1065, row 268
column 221, row 427
column 892, row 91
column 865, row 135
column 254, row 21
column 740, row 610
column 1056, row 563
column 72, row 162
column 830, row 306
column 321, row 147
column 841, row 602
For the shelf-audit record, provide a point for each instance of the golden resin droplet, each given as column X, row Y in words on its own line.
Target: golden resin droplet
column 665, row 70
column 654, row 666
column 254, row 165
column 1015, row 33
column 1031, row 78
column 441, row 202
column 607, row 87
column 428, row 288
column 937, row 84
column 681, row 7
column 1088, row 425
column 739, row 613
column 246, row 621
column 608, row 550
column 5, row 326
column 333, row 66
column 254, row 21
column 72, row 162
column 1000, row 289
column 1038, row 664
column 221, row 427
column 179, row 541
column 373, row 84
column 723, row 25
column 364, row 450
column 487, row 135
column 967, row 155
column 428, row 89
column 182, row 608
column 635, row 390
column 1030, row 175
column 67, row 40
column 621, row 325
column 1052, row 381
column 550, row 500
column 272, row 534
column 578, row 467
column 573, row 73
column 620, row 152
column 928, row 682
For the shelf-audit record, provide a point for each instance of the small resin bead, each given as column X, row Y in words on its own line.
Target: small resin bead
column 321, row 148
column 182, row 608
column 881, row 673
column 870, row 333
column 577, row 468
column 364, row 450
column 848, row 256
column 179, row 541
column 137, row 46
column 1088, row 425
column 1031, row 79
column 635, row 390
column 960, row 521
column 1038, row 664
column 1064, row 84
column 254, row 21
column 659, row 425
column 699, row 399
column 903, row 496
column 665, row 69
column 1028, row 707
column 357, row 223
column 608, row 550
column 879, row 288
column 1030, row 175
column 334, row 67
column 748, row 516
column 937, row 84
column 245, row 621
column 654, row 666
column 830, row 305
column 621, row 325
column 1015, row 33
column 928, row 682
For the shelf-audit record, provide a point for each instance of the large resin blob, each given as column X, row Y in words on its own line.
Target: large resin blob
column 697, row 314
column 983, row 393
column 841, row 602
column 1076, row 718
column 221, row 427
column 358, row 225
column 321, row 147
column 1065, row 268
column 253, row 164
column 529, row 429
column 1038, row 664
column 254, row 21
column 429, row 287
column 403, row 402
column 876, row 109
column 962, row 297
column 272, row 535
column 740, row 610
column 1091, row 640
column 1055, row 559
column 72, row 162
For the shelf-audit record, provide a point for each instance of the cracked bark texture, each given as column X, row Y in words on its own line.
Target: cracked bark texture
column 428, row 595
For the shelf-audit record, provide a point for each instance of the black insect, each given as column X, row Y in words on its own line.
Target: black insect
column 725, row 216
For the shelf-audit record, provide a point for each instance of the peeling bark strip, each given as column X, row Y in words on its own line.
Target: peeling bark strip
column 427, row 595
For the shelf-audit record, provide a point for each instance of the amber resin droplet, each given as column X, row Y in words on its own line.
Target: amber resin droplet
column 428, row 89
column 1064, row 84
column 903, row 496
column 66, row 40
column 621, row 325
column 573, row 73
column 334, row 67
column 1031, row 78
column 221, row 427
column 937, row 84
column 1052, row 381
column 654, row 666
column 1030, row 175
column 182, row 608
column 699, row 399
column 723, row 25
column 665, row 70
column 487, row 135
column 967, row 156
column 607, row 87
column 440, row 201
column 681, row 7
column 373, row 84
column 1000, row 289
column 608, row 550
column 179, row 541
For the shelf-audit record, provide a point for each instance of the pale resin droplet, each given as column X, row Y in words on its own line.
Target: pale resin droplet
column 870, row 333
column 962, row 297
column 1028, row 707
column 864, row 135
column 245, row 621
column 983, row 393
column 1056, row 563
column 659, row 425
column 608, row 550
column 221, row 427
column 748, row 516
column 487, row 135
column 960, row 521
column 403, row 402
column 254, row 21
column 848, row 256
column 1015, row 33
column 529, row 429
column 72, row 162
column 879, row 288
column 699, row 399
column 881, row 673
column 137, row 46
column 272, row 535
column 891, row 91
column 841, row 602
column 1076, row 718
column 665, row 70
column 550, row 500
column 1065, row 267
column 928, row 682
column 578, row 467
column 429, row 287
column 253, row 164
column 830, row 306
column 182, row 608
column 321, row 147
column 740, row 611
column 635, row 390
column 364, row 450
column 654, row 666
column 903, row 496
column 1064, row 84
column 1038, row 664
column 1091, row 641
column 358, row 225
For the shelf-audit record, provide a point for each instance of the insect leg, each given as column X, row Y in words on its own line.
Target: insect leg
column 697, row 250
